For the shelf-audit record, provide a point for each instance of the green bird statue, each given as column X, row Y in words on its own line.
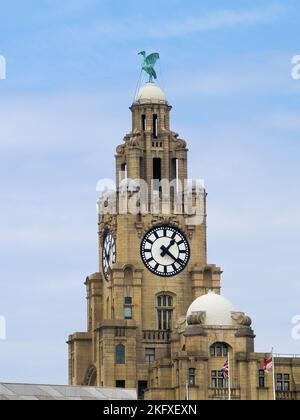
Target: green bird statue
column 148, row 65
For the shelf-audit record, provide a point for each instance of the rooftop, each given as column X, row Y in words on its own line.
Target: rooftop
column 10, row 391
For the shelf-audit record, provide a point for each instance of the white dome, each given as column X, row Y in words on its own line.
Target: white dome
column 218, row 309
column 151, row 92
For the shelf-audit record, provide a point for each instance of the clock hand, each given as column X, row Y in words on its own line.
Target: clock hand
column 166, row 250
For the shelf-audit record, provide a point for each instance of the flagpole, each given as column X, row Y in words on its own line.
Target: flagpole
column 229, row 378
column 187, row 391
column 274, row 383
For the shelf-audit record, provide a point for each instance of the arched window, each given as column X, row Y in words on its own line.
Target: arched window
column 90, row 378
column 120, row 354
column 164, row 312
column 219, row 350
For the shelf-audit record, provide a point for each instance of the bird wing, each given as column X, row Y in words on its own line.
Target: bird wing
column 152, row 59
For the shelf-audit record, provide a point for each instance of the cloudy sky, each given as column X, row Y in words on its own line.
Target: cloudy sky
column 72, row 70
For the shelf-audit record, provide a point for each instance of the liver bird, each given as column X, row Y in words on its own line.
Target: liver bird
column 148, row 65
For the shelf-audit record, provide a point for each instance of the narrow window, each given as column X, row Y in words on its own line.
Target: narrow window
column 127, row 307
column 164, row 312
column 261, row 379
column 123, row 174
column 157, row 169
column 120, row 354
column 155, row 126
column 144, row 122
column 142, row 387
column 120, row 384
column 192, row 377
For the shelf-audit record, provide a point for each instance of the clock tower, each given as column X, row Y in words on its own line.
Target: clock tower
column 152, row 254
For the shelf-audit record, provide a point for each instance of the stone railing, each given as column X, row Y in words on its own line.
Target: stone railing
column 285, row 395
column 157, row 336
column 223, row 393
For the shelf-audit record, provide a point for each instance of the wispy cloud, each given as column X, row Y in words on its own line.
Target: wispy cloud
column 174, row 28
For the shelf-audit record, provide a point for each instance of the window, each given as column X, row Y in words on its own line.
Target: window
column 150, row 355
column 144, row 123
column 282, row 382
column 155, row 126
column 192, row 377
column 261, row 379
column 120, row 354
column 142, row 387
column 127, row 307
column 157, row 169
column 219, row 350
column 218, row 381
column 164, row 312
column 120, row 384
column 123, row 174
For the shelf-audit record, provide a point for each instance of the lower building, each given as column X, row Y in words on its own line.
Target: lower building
column 21, row 392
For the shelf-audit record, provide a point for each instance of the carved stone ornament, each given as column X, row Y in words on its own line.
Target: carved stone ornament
column 196, row 318
column 241, row 319
column 121, row 149
column 110, row 224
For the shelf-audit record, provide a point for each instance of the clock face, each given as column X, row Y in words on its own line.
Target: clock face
column 108, row 253
column 165, row 251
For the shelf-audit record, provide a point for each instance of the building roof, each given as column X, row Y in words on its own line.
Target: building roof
column 9, row 391
column 150, row 92
column 218, row 310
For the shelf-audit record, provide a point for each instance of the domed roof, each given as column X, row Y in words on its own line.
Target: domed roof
column 151, row 92
column 218, row 309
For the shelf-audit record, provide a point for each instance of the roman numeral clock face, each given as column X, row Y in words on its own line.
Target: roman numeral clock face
column 108, row 254
column 165, row 251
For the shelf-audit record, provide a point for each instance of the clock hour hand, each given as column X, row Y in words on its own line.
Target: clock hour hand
column 165, row 250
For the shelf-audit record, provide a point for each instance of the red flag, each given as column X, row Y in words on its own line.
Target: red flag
column 268, row 365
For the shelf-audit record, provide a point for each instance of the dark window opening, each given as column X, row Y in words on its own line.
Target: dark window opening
column 155, row 126
column 142, row 387
column 128, row 300
column 157, row 169
column 123, row 174
column 120, row 384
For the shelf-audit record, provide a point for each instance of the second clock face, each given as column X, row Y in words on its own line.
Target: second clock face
column 108, row 253
column 165, row 251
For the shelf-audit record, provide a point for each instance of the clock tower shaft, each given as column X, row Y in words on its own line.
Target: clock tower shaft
column 131, row 314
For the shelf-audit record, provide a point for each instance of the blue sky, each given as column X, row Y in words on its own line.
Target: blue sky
column 72, row 69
